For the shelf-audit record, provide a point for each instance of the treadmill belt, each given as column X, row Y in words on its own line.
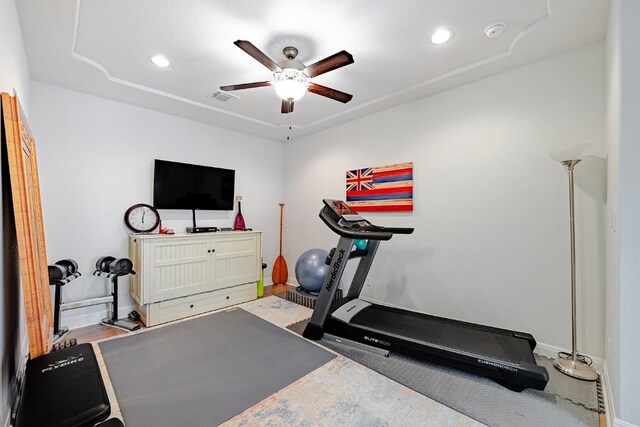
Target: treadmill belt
column 445, row 333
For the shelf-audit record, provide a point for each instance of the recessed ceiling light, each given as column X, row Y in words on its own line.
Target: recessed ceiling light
column 441, row 35
column 494, row 30
column 160, row 61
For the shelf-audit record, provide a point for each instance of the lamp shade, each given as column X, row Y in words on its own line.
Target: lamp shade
column 577, row 152
column 290, row 84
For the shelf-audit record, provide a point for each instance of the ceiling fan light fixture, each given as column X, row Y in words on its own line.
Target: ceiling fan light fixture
column 290, row 84
column 441, row 35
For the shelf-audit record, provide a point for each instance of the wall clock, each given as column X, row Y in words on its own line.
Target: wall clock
column 142, row 218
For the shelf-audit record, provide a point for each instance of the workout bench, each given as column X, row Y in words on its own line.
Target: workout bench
column 64, row 389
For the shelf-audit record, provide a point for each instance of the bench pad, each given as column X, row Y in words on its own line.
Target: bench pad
column 63, row 389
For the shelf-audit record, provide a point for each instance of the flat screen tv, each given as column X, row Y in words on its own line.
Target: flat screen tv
column 194, row 187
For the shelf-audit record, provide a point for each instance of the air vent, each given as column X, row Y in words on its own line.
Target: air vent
column 223, row 96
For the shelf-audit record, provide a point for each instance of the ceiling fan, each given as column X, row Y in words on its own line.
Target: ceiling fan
column 291, row 77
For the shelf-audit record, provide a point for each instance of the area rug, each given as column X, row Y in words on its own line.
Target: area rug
column 564, row 402
column 204, row 371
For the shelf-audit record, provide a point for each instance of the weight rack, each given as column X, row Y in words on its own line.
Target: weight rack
column 112, row 268
column 61, row 273
column 65, row 271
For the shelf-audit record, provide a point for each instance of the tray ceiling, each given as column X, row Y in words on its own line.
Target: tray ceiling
column 102, row 47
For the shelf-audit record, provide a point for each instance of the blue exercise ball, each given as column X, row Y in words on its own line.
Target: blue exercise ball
column 311, row 270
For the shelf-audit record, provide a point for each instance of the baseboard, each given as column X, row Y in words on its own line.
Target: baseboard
column 88, row 319
column 620, row 423
column 551, row 351
column 609, row 403
column 608, row 398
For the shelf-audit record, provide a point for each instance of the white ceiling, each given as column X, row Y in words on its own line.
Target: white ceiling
column 102, row 47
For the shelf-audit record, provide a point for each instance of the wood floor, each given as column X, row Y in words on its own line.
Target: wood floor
column 99, row 332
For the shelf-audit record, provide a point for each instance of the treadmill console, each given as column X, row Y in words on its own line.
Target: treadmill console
column 344, row 216
column 347, row 222
column 340, row 208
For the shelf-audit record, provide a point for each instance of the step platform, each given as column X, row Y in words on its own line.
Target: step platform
column 63, row 388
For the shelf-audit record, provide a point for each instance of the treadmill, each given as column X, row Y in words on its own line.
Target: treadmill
column 503, row 355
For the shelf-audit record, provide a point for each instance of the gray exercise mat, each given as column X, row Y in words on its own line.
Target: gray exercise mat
column 204, row 371
column 564, row 402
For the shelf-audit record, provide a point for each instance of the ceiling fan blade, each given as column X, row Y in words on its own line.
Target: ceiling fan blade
column 329, row 63
column 257, row 55
column 329, row 93
column 230, row 88
column 287, row 107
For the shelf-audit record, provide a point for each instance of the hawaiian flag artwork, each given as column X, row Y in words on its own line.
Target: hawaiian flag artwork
column 381, row 188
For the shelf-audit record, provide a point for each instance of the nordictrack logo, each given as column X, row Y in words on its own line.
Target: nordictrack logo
column 334, row 271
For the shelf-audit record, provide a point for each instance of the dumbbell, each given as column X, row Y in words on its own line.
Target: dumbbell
column 121, row 267
column 102, row 265
column 71, row 267
column 60, row 345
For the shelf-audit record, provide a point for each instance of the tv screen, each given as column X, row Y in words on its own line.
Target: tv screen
column 185, row 186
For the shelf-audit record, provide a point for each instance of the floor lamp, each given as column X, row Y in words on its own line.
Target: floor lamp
column 570, row 157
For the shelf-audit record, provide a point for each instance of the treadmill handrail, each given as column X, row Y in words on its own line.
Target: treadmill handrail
column 353, row 233
column 397, row 230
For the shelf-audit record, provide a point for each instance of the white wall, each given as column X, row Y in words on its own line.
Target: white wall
column 623, row 204
column 14, row 69
column 612, row 333
column 95, row 160
column 14, row 77
column 491, row 213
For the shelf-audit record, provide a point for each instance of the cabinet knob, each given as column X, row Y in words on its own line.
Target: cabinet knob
column 209, row 251
column 191, row 306
column 213, row 250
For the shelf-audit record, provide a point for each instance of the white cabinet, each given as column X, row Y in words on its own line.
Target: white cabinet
column 185, row 274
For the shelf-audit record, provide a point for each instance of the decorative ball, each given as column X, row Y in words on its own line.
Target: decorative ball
column 311, row 270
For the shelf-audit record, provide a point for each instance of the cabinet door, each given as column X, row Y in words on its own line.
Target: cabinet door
column 175, row 268
column 236, row 260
